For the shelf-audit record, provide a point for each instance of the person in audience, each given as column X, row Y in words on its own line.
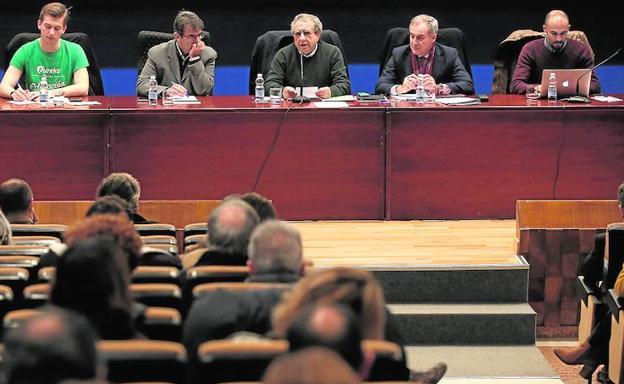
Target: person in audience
column 92, row 278
column 229, row 228
column 182, row 66
column 595, row 350
column 275, row 256
column 362, row 293
column 63, row 63
column 263, row 206
column 128, row 188
column 49, row 348
column 113, row 226
column 309, row 62
column 5, row 230
column 16, row 201
column 109, row 205
column 331, row 326
column 440, row 65
column 555, row 51
column 316, row 365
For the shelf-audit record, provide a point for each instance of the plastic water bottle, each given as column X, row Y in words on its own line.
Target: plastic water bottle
column 552, row 87
column 259, row 89
column 420, row 90
column 152, row 93
column 43, row 90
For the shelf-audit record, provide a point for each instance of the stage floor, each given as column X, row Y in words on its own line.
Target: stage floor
column 409, row 244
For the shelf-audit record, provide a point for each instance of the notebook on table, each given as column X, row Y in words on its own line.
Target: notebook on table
column 570, row 82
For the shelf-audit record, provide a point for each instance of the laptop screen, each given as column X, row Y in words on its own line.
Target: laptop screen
column 570, row 82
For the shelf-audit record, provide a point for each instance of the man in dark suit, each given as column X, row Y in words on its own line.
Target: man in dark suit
column 441, row 70
column 184, row 65
column 16, row 201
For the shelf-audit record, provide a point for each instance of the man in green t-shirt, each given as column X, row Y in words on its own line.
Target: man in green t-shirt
column 63, row 63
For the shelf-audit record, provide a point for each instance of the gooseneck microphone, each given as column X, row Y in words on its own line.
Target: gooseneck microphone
column 301, row 98
column 578, row 81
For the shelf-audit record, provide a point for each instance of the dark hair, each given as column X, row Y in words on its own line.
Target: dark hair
column 123, row 185
column 15, row 196
column 263, row 206
column 187, row 18
column 342, row 334
column 111, row 204
column 92, row 278
column 49, row 348
column 621, row 195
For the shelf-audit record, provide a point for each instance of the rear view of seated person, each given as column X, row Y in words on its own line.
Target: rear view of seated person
column 263, row 206
column 128, row 188
column 229, row 228
column 309, row 62
column 16, row 200
column 440, row 65
column 54, row 346
column 92, row 278
column 5, row 230
column 555, row 51
column 63, row 63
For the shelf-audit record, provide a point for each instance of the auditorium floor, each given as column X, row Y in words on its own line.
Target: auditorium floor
column 404, row 244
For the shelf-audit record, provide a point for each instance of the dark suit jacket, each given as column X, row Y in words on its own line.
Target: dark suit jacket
column 447, row 69
column 162, row 62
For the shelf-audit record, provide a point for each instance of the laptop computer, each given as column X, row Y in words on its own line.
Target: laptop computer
column 567, row 80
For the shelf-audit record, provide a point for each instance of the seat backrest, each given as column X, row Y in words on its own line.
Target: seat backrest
column 143, row 360
column 614, row 254
column 205, row 288
column 96, row 86
column 155, row 274
column 270, row 42
column 157, row 294
column 148, row 39
column 509, row 49
column 55, row 230
column 451, row 37
column 155, row 229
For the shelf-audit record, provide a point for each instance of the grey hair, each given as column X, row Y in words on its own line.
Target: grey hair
column 275, row 246
column 431, row 22
column 230, row 238
column 318, row 26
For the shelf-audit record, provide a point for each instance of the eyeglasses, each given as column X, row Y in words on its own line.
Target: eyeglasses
column 305, row 34
column 194, row 37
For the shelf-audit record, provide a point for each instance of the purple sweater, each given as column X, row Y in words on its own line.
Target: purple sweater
column 535, row 57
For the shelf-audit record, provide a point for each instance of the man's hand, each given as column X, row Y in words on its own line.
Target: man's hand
column 323, row 93
column 176, row 90
column 289, row 93
column 429, row 84
column 197, row 49
column 23, row 95
column 409, row 84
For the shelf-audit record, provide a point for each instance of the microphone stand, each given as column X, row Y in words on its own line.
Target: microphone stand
column 578, row 81
column 301, row 98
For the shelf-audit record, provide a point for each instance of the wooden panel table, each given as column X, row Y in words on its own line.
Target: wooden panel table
column 476, row 161
column 313, row 163
column 61, row 152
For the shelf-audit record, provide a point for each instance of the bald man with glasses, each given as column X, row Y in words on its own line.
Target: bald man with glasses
column 184, row 65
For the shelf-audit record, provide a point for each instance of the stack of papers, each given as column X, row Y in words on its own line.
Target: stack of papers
column 185, row 100
column 341, row 98
column 461, row 100
column 335, row 104
column 608, row 99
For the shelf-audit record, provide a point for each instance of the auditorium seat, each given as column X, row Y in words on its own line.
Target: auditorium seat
column 162, row 323
column 508, row 51
column 230, row 360
column 23, row 250
column 159, row 239
column 205, row 288
column 200, row 240
column 96, row 86
column 155, row 229
column 270, row 42
column 148, row 39
column 55, row 230
column 35, row 240
column 16, row 279
column 157, row 295
column 452, row 37
column 195, row 229
column 6, row 301
column 27, row 262
column 155, row 274
column 46, row 274
column 36, row 295
column 143, row 360
column 16, row 318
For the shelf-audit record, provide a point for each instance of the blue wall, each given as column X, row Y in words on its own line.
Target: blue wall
column 232, row 80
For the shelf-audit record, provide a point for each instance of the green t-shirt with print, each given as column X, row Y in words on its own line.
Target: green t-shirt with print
column 58, row 67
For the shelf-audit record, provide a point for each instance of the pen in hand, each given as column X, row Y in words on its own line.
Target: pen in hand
column 181, row 86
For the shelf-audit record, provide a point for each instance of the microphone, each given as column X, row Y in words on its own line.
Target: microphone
column 596, row 66
column 301, row 98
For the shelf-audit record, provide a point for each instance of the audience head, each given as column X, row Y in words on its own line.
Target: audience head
column 113, row 227
column 556, row 27
column 423, row 31
column 51, row 347
column 187, row 29
column 332, row 326
column 621, row 198
column 16, row 199
column 55, row 11
column 111, row 205
column 263, row 206
column 316, row 365
column 92, row 278
column 5, row 230
column 356, row 289
column 123, row 185
column 306, row 30
column 230, row 226
column 275, row 247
